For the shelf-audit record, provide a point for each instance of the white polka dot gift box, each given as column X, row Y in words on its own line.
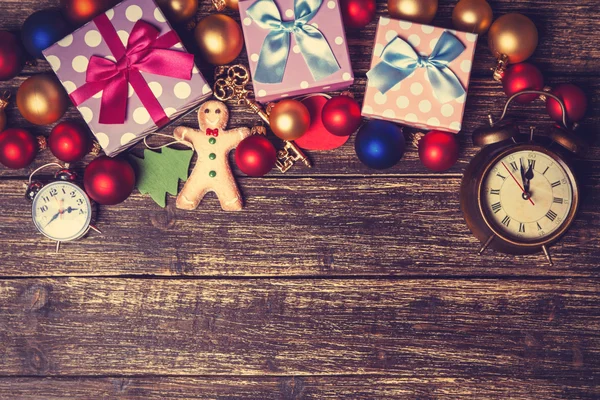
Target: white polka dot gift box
column 128, row 73
column 419, row 75
column 295, row 47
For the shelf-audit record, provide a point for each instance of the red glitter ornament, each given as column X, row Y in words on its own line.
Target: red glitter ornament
column 109, row 180
column 18, row 148
column 523, row 76
column 575, row 103
column 255, row 155
column 69, row 142
column 12, row 58
column 357, row 13
column 438, row 151
column 341, row 115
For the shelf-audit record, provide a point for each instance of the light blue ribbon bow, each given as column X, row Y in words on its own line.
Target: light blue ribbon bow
column 276, row 47
column 400, row 60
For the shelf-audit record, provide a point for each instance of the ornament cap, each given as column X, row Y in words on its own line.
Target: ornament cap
column 499, row 132
column 567, row 139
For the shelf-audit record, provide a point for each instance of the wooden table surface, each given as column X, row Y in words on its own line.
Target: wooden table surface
column 334, row 282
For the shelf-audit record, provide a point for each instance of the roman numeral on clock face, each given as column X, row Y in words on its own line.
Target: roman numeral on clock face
column 499, row 175
column 558, row 200
column 495, row 191
column 514, row 166
column 531, row 164
column 551, row 215
column 496, row 207
column 555, row 184
column 521, row 227
column 506, row 220
column 538, row 226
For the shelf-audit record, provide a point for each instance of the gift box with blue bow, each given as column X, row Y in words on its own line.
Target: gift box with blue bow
column 419, row 75
column 295, row 47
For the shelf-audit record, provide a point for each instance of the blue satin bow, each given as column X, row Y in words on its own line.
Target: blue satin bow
column 400, row 60
column 276, row 47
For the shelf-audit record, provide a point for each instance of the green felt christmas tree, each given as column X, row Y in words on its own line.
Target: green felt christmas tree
column 158, row 173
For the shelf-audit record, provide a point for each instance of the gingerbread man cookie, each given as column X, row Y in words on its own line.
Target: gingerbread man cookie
column 212, row 144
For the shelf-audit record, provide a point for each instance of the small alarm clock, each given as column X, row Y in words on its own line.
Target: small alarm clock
column 520, row 196
column 61, row 210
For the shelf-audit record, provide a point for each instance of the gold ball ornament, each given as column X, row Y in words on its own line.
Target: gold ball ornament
column 289, row 119
column 473, row 16
column 421, row 11
column 178, row 10
column 513, row 35
column 41, row 99
column 219, row 38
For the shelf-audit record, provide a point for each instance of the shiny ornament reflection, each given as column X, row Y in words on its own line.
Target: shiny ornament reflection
column 513, row 35
column 41, row 99
column 289, row 119
column 178, row 10
column 473, row 16
column 421, row 11
column 219, row 38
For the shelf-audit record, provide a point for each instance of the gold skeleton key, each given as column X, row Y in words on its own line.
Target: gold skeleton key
column 230, row 84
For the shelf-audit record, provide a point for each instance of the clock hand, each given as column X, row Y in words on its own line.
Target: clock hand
column 53, row 218
column 528, row 177
column 518, row 184
column 523, row 178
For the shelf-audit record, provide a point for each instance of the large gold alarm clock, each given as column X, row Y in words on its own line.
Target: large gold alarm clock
column 518, row 196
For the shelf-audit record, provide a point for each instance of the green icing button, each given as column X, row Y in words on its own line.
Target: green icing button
column 212, row 174
column 212, row 156
column 212, row 140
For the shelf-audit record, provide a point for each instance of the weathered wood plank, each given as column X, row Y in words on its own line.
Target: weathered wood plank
column 294, row 388
column 570, row 27
column 408, row 328
column 485, row 97
column 379, row 226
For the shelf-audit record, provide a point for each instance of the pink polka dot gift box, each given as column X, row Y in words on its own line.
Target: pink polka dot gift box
column 419, row 75
column 128, row 74
column 295, row 47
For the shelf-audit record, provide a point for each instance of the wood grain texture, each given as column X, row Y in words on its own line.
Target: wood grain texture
column 292, row 227
column 293, row 388
column 405, row 328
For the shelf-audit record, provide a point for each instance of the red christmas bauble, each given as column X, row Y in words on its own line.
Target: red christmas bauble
column 12, row 58
column 317, row 137
column 69, row 142
column 78, row 12
column 522, row 76
column 255, row 155
column 108, row 180
column 341, row 115
column 357, row 13
column 18, row 148
column 575, row 103
column 438, row 151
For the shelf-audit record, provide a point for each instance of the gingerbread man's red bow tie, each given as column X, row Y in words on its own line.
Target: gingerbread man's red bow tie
column 212, row 132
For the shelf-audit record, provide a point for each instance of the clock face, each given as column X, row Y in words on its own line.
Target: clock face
column 527, row 196
column 62, row 211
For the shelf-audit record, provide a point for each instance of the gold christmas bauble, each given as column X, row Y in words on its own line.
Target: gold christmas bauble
column 473, row 16
column 178, row 10
column 514, row 35
column 421, row 11
column 219, row 38
column 289, row 119
column 232, row 4
column 41, row 99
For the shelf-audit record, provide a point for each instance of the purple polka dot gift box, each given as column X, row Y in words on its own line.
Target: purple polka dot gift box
column 128, row 74
column 295, row 47
column 419, row 75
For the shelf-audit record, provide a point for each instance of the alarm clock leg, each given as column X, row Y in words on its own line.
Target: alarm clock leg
column 486, row 244
column 547, row 254
column 95, row 229
column 57, row 247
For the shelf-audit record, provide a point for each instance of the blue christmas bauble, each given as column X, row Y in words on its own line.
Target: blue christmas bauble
column 379, row 144
column 42, row 29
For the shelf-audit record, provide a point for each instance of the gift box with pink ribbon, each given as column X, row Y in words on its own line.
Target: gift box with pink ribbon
column 295, row 47
column 128, row 73
column 419, row 75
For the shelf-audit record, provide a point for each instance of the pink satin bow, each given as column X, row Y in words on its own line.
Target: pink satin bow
column 146, row 51
column 212, row 132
